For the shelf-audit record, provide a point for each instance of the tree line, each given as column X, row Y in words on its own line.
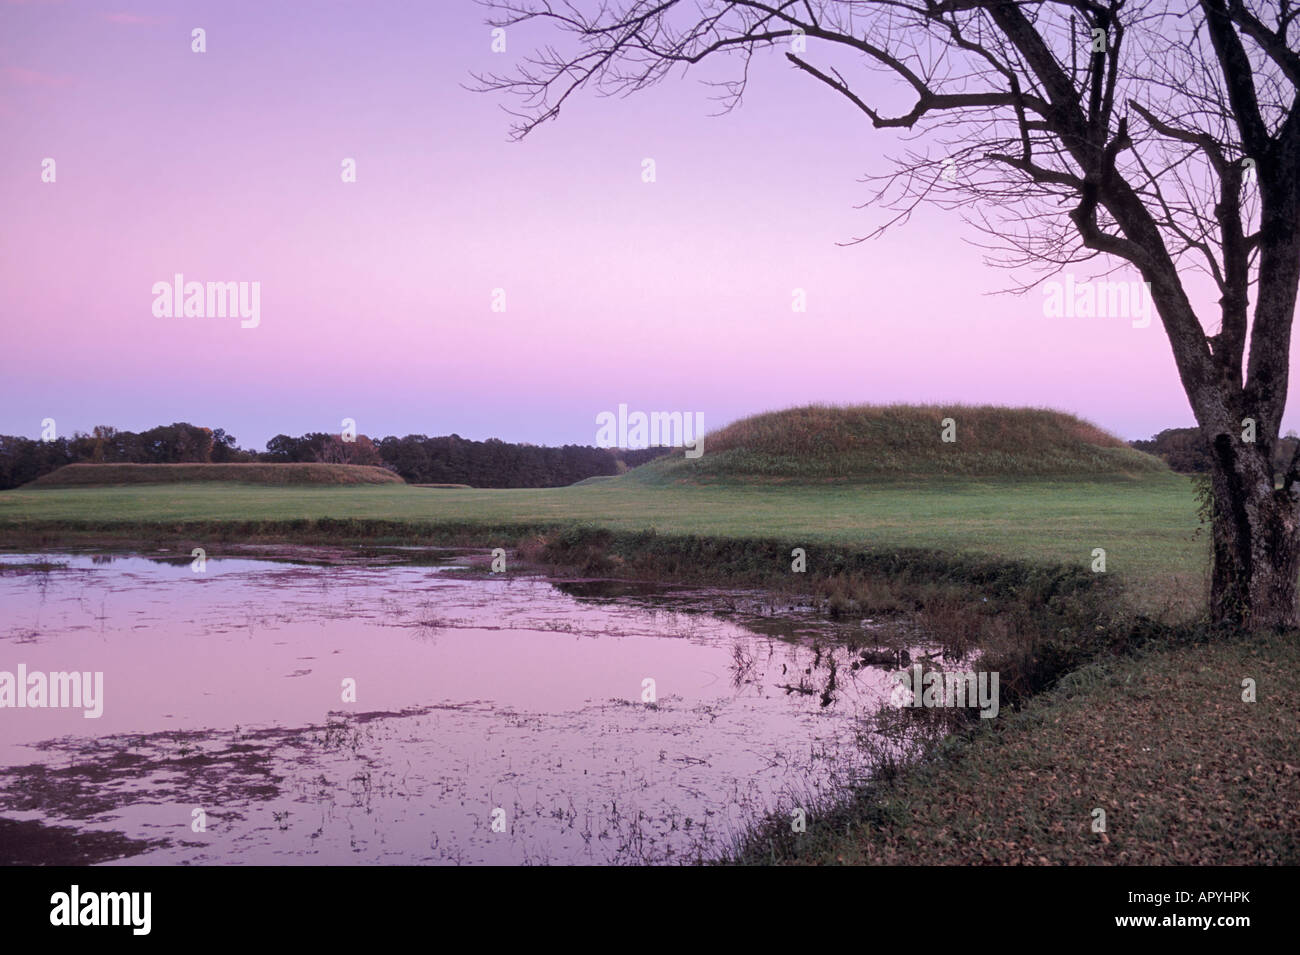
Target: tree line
column 420, row 459
column 416, row 458
column 1184, row 449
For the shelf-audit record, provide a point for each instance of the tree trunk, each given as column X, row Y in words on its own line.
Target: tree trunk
column 1256, row 547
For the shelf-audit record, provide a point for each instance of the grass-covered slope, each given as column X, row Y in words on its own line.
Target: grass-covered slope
column 1186, row 771
column 823, row 443
column 103, row 475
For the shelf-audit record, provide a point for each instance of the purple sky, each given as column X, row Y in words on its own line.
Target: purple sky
column 376, row 295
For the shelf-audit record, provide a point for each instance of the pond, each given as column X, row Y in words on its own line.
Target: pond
column 271, row 712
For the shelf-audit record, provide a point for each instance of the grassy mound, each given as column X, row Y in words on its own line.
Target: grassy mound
column 93, row 475
column 823, row 443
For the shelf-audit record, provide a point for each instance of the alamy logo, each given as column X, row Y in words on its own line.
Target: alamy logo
column 937, row 689
column 61, row 690
column 181, row 299
column 103, row 908
column 658, row 429
column 1098, row 299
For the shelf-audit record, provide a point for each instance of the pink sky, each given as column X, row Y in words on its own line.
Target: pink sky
column 375, row 295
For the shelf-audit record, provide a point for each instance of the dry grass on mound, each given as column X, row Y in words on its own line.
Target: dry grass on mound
column 829, row 429
column 826, row 443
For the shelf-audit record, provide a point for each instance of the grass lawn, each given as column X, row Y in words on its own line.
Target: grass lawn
column 1145, row 524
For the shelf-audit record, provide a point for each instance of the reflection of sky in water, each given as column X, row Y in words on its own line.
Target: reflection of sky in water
column 223, row 692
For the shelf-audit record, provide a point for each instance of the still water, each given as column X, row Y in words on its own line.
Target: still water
column 267, row 712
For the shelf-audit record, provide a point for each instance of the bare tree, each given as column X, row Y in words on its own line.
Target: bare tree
column 1159, row 135
column 361, row 450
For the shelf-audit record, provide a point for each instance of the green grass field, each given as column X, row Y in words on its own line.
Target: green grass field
column 1147, row 525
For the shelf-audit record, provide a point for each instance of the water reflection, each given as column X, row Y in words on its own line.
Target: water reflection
column 493, row 720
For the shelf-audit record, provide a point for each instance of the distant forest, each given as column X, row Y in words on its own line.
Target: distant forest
column 1183, row 450
column 417, row 458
